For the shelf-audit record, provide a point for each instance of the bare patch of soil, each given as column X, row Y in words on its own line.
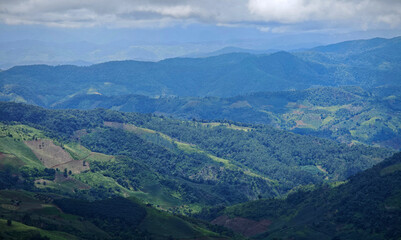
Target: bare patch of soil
column 53, row 156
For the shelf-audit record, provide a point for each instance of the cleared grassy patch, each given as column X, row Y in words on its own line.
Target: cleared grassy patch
column 20, row 132
column 79, row 152
column 327, row 120
column 371, row 121
column 99, row 180
column 17, row 148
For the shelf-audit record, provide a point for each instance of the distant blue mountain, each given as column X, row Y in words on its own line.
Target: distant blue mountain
column 365, row 63
column 227, row 50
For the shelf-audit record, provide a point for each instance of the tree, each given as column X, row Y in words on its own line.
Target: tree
column 9, row 222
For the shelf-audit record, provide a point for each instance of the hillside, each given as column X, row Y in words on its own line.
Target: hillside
column 225, row 75
column 43, row 215
column 203, row 163
column 367, row 206
column 346, row 114
column 51, row 188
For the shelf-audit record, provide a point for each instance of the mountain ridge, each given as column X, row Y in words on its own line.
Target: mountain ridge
column 223, row 76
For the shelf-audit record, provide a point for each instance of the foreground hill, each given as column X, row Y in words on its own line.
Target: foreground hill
column 346, row 114
column 43, row 215
column 374, row 63
column 179, row 165
column 367, row 206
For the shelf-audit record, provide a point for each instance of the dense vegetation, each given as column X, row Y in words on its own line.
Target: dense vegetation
column 366, row 207
column 231, row 163
column 346, row 114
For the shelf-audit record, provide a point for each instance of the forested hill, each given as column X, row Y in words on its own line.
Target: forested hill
column 367, row 63
column 368, row 206
column 346, row 114
column 207, row 163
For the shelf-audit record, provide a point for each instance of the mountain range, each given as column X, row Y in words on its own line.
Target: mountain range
column 371, row 63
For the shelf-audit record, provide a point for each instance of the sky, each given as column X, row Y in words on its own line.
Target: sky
column 257, row 24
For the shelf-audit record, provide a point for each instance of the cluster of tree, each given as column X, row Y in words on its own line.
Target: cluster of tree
column 30, row 174
column 126, row 211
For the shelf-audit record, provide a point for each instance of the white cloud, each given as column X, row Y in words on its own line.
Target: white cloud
column 266, row 15
column 358, row 13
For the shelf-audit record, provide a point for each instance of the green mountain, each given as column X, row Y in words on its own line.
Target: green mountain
column 346, row 114
column 178, row 165
column 367, row 206
column 374, row 63
column 52, row 187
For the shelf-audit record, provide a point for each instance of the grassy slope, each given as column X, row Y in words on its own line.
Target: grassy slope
column 20, row 150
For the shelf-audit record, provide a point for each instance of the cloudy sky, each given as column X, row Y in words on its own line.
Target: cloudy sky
column 230, row 22
column 266, row 15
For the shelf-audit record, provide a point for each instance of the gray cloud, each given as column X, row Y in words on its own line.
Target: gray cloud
column 267, row 15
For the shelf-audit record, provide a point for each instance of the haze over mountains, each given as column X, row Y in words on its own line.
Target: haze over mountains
column 370, row 63
column 82, row 48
